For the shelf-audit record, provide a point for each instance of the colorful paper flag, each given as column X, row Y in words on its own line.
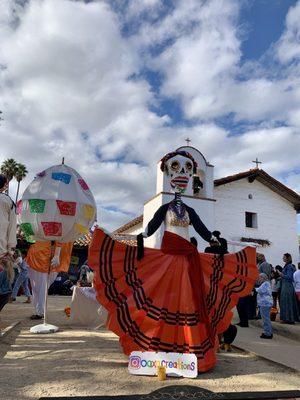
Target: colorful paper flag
column 66, row 207
column 27, row 229
column 83, row 184
column 88, row 211
column 81, row 229
column 61, row 176
column 52, row 228
column 37, row 206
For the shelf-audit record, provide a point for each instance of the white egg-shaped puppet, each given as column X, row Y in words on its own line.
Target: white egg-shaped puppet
column 57, row 205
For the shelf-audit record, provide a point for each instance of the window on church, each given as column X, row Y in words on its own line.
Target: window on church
column 250, row 220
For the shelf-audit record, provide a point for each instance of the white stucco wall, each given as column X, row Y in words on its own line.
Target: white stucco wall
column 134, row 230
column 276, row 218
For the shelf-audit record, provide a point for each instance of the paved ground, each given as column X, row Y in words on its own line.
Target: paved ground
column 81, row 362
column 280, row 349
column 284, row 348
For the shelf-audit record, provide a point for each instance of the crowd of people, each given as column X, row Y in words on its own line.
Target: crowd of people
column 277, row 291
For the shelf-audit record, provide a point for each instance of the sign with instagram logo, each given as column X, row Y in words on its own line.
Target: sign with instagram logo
column 176, row 364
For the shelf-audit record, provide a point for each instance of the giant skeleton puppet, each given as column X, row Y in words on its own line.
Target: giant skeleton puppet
column 173, row 299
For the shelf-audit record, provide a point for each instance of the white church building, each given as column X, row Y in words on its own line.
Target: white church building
column 248, row 207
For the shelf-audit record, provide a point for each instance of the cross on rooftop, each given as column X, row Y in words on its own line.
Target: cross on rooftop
column 188, row 140
column 257, row 162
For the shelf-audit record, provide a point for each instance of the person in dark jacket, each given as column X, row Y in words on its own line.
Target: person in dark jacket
column 222, row 241
column 263, row 266
column 288, row 304
column 214, row 247
column 6, row 279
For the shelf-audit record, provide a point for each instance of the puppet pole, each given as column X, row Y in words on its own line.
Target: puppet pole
column 46, row 289
column 45, row 327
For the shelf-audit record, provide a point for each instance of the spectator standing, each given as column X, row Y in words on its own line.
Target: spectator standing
column 222, row 241
column 288, row 304
column 214, row 248
column 22, row 279
column 265, row 302
column 278, row 270
column 84, row 270
column 6, row 279
column 275, row 286
column 297, row 286
column 263, row 266
column 8, row 231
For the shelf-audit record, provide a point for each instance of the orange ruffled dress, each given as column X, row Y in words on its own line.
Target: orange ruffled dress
column 172, row 300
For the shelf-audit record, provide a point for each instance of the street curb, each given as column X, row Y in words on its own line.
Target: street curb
column 8, row 329
column 280, row 329
column 267, row 359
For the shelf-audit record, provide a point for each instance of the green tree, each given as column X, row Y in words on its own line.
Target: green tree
column 20, row 174
column 9, row 168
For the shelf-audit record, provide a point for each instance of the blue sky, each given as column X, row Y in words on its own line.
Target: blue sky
column 113, row 85
column 264, row 23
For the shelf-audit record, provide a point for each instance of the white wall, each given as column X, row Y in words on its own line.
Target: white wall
column 276, row 217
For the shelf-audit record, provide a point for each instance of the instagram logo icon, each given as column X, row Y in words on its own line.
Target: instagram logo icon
column 135, row 362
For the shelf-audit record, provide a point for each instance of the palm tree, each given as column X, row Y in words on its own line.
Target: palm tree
column 20, row 174
column 8, row 168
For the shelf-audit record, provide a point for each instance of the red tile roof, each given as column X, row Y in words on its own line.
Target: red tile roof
column 129, row 224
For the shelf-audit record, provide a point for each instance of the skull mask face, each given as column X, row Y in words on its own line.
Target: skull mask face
column 179, row 170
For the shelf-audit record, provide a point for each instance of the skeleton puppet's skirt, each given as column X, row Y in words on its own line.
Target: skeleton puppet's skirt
column 173, row 299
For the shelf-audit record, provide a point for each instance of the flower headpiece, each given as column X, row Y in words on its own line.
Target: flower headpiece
column 179, row 153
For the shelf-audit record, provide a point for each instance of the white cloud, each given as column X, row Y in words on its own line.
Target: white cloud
column 202, row 66
column 288, row 48
column 69, row 87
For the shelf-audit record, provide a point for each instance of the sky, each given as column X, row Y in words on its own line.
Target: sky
column 114, row 85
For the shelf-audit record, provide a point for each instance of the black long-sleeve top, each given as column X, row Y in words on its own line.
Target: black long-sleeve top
column 160, row 215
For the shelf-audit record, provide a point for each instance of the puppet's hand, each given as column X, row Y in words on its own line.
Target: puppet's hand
column 56, row 258
column 214, row 239
column 55, row 261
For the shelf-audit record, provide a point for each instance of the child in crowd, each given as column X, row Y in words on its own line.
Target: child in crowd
column 275, row 286
column 265, row 302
